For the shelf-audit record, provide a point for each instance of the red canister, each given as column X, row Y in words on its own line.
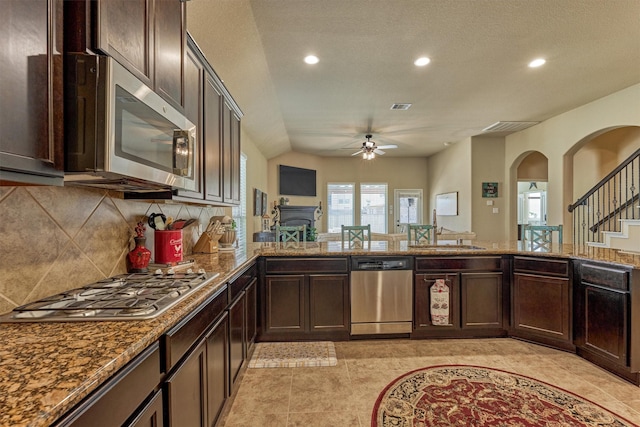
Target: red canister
column 168, row 246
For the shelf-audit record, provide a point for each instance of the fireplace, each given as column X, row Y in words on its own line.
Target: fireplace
column 297, row 215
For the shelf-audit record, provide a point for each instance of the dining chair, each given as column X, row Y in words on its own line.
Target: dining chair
column 355, row 234
column 419, row 232
column 291, row 233
column 540, row 237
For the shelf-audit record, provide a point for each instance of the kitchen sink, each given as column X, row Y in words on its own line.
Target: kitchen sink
column 447, row 247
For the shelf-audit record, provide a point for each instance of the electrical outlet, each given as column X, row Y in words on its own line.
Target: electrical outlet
column 496, row 210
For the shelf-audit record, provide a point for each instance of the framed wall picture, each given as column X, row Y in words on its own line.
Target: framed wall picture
column 265, row 203
column 489, row 189
column 447, row 204
column 257, row 208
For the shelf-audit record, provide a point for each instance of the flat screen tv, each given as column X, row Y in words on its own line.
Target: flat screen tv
column 297, row 181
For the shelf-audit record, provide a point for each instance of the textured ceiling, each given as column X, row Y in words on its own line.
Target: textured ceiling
column 478, row 73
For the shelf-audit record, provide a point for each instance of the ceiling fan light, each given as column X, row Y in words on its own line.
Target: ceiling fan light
column 422, row 61
column 537, row 63
column 364, row 155
column 311, row 59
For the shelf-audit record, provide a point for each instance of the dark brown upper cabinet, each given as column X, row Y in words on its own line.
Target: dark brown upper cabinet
column 218, row 120
column 31, row 149
column 148, row 37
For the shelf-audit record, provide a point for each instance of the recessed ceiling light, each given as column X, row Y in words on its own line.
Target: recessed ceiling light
column 422, row 61
column 537, row 63
column 311, row 59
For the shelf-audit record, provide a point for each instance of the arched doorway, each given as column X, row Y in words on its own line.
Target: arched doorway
column 532, row 176
column 590, row 162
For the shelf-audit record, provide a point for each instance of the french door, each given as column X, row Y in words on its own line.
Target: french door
column 407, row 208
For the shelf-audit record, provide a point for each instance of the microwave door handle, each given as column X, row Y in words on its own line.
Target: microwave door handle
column 181, row 150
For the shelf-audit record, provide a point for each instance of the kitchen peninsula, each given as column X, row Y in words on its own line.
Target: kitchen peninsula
column 48, row 369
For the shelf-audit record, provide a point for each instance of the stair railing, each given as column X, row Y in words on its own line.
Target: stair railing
column 615, row 197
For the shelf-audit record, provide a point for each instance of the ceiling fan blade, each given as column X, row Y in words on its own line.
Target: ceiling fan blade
column 388, row 147
column 356, row 153
column 378, row 151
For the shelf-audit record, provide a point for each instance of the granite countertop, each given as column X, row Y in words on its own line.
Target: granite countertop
column 395, row 247
column 47, row 368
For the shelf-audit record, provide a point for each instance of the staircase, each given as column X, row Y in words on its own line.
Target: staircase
column 626, row 240
column 608, row 215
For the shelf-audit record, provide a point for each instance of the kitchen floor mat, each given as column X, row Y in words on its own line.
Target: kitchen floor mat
column 293, row 354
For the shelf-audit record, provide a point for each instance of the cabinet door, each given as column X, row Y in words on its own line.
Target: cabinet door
column 151, row 415
column 227, row 153
column 212, row 141
column 236, row 337
column 252, row 314
column 193, row 108
column 186, row 391
column 235, row 159
column 328, row 302
column 285, row 296
column 170, row 31
column 482, row 305
column 125, row 31
column 541, row 305
column 31, row 147
column 603, row 329
column 422, row 302
column 217, row 369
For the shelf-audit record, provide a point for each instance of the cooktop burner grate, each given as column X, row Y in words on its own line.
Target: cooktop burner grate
column 123, row 297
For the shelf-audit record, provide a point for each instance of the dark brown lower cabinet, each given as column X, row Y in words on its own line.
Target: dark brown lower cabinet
column 285, row 300
column 237, row 311
column 542, row 301
column 305, row 298
column 152, row 413
column 482, row 301
column 217, row 369
column 186, row 390
column 251, row 315
column 422, row 318
column 302, row 306
column 478, row 296
column 198, row 388
column 606, row 321
column 328, row 302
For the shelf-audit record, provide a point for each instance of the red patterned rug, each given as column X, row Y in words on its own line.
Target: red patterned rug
column 462, row 395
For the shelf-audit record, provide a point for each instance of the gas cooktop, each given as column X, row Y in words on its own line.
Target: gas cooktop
column 125, row 297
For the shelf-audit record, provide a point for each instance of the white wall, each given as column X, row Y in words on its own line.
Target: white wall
column 487, row 160
column 555, row 138
column 450, row 170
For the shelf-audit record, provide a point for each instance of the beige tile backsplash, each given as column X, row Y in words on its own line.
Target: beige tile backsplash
column 58, row 238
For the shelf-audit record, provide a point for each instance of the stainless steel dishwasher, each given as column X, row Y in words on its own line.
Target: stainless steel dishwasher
column 381, row 295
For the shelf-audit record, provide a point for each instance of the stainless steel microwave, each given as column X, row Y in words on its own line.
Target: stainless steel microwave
column 121, row 135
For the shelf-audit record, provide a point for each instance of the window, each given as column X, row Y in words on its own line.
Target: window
column 373, row 206
column 239, row 213
column 340, row 206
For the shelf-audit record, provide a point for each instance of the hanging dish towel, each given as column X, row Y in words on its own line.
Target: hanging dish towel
column 439, row 303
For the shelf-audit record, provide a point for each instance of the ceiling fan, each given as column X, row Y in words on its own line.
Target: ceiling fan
column 370, row 149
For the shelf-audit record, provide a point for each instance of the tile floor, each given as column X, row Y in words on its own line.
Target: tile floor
column 344, row 395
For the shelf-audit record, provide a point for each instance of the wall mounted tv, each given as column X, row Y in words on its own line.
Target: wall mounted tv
column 297, row 181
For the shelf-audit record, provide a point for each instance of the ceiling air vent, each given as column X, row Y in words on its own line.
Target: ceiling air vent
column 400, row 106
column 508, row 126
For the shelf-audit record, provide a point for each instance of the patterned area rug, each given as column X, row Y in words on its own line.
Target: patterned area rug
column 457, row 395
column 293, row 354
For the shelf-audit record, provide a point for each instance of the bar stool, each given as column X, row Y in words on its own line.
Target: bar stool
column 540, row 236
column 355, row 234
column 291, row 233
column 420, row 232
